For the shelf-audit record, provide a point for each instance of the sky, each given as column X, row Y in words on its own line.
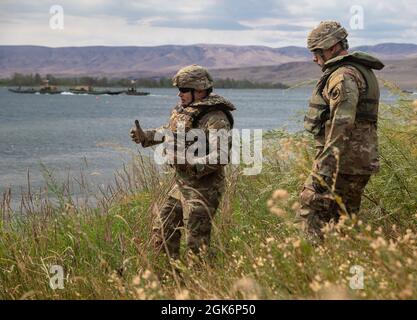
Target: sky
column 269, row 23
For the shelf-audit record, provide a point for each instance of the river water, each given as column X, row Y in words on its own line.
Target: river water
column 68, row 133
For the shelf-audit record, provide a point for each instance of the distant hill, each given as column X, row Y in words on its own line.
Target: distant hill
column 391, row 51
column 290, row 73
column 116, row 61
column 401, row 72
column 153, row 61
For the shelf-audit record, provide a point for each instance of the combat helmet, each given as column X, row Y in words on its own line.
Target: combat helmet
column 326, row 35
column 194, row 77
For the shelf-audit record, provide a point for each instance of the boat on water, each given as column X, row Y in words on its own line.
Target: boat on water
column 48, row 89
column 40, row 91
column 45, row 89
column 18, row 90
column 90, row 90
column 134, row 92
column 112, row 93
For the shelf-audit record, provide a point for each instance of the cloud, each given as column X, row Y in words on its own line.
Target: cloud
column 157, row 22
column 202, row 23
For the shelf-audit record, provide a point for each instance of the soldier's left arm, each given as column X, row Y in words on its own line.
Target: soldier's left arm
column 217, row 122
column 343, row 96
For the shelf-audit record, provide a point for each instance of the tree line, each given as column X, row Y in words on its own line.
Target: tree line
column 32, row 80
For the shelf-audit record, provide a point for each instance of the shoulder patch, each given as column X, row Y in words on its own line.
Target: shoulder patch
column 334, row 81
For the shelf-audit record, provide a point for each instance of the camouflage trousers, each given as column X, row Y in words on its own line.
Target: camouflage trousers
column 317, row 208
column 190, row 206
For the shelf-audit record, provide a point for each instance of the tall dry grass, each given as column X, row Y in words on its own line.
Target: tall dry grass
column 259, row 252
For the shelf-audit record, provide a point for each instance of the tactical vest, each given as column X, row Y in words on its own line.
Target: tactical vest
column 367, row 110
column 190, row 116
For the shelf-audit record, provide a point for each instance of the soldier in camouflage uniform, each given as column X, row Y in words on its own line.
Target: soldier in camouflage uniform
column 342, row 116
column 195, row 197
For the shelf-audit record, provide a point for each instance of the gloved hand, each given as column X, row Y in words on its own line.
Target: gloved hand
column 136, row 134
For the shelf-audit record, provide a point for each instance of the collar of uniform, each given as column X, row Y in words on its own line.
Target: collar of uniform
column 358, row 57
column 213, row 100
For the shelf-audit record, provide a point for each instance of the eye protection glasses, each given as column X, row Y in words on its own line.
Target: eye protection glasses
column 318, row 52
column 185, row 90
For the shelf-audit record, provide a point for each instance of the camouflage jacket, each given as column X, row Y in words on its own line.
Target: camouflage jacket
column 343, row 116
column 211, row 114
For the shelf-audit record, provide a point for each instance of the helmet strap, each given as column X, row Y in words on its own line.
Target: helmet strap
column 337, row 52
column 321, row 54
column 192, row 96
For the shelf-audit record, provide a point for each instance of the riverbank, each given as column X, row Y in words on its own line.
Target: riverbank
column 30, row 80
column 105, row 250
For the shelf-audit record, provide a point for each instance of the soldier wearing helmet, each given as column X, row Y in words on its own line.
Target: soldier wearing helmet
column 342, row 116
column 195, row 197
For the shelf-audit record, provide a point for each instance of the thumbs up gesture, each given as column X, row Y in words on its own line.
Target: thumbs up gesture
column 136, row 134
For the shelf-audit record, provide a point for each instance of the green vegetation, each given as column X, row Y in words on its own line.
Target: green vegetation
column 31, row 80
column 258, row 250
column 246, row 84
